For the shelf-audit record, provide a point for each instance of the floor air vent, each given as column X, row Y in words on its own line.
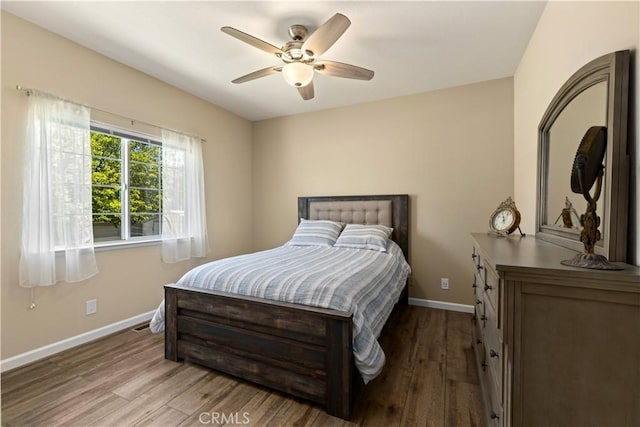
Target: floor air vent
column 140, row 328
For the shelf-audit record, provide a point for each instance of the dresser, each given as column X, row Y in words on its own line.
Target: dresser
column 554, row 345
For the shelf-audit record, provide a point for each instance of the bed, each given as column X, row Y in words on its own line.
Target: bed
column 301, row 350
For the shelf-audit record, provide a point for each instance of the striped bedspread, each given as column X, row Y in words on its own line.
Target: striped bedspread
column 364, row 282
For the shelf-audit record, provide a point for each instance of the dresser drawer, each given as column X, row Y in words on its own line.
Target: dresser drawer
column 478, row 290
column 492, row 393
column 475, row 256
column 489, row 316
column 479, row 278
column 477, row 263
column 495, row 416
column 478, row 338
column 491, row 286
column 493, row 355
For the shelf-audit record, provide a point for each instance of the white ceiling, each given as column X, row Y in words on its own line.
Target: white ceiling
column 413, row 47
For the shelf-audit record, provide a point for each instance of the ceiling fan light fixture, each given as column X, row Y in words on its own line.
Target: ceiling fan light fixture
column 297, row 74
column 299, row 55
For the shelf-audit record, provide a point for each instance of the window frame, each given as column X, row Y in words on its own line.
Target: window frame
column 126, row 137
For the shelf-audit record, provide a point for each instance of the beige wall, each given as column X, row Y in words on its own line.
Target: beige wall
column 130, row 280
column 450, row 150
column 569, row 35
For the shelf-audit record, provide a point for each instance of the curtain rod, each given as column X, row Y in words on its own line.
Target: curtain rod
column 30, row 91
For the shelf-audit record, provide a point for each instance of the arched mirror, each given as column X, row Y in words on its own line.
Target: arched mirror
column 596, row 95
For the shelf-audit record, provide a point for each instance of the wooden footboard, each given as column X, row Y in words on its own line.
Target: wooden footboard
column 300, row 350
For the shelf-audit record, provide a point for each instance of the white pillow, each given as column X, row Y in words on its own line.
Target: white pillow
column 316, row 233
column 372, row 237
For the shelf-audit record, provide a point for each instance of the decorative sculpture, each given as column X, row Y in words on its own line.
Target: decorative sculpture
column 588, row 170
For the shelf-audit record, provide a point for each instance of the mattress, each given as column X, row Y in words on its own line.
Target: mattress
column 364, row 282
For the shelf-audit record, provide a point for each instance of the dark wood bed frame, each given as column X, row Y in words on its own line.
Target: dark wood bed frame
column 300, row 350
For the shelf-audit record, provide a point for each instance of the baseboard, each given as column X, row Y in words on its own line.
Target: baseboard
column 51, row 349
column 441, row 305
column 57, row 347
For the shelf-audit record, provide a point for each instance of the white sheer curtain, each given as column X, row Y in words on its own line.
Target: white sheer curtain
column 184, row 225
column 56, row 212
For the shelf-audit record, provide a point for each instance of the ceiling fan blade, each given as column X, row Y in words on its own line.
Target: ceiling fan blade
column 347, row 71
column 257, row 74
column 253, row 41
column 306, row 92
column 326, row 35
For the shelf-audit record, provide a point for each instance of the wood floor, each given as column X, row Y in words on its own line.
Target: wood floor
column 123, row 380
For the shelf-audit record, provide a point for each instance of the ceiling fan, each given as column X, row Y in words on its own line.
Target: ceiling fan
column 300, row 56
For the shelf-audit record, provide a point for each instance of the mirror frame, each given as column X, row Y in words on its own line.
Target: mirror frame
column 613, row 69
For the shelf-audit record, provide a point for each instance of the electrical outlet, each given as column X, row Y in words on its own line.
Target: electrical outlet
column 444, row 283
column 92, row 306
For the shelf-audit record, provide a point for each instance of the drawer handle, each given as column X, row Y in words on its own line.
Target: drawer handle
column 483, row 317
column 494, row 416
column 474, row 285
column 478, row 341
column 484, row 366
column 487, row 287
column 478, row 301
column 493, row 354
column 474, row 256
column 479, row 267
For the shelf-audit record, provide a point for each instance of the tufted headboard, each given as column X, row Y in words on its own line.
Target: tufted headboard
column 390, row 210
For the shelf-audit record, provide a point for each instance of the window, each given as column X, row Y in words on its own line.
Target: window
column 126, row 186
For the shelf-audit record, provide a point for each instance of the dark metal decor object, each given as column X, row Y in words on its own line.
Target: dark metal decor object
column 586, row 172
